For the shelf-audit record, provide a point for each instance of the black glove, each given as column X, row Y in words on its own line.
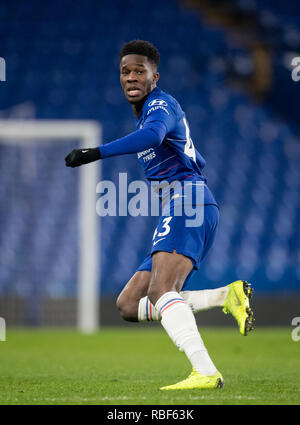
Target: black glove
column 82, row 156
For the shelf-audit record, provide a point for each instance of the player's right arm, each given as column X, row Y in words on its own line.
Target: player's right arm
column 137, row 141
column 155, row 128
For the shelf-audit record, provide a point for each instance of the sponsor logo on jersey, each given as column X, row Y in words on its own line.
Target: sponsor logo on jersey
column 147, row 155
column 158, row 102
column 154, row 108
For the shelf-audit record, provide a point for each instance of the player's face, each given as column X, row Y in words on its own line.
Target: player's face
column 138, row 77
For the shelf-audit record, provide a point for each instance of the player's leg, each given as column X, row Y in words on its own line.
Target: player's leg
column 203, row 238
column 169, row 272
column 205, row 299
column 233, row 298
column 133, row 302
column 134, row 305
column 129, row 299
column 223, row 297
column 200, row 300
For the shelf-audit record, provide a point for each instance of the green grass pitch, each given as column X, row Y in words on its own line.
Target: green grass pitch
column 127, row 366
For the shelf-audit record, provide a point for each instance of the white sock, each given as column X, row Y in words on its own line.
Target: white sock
column 179, row 322
column 205, row 299
column 147, row 311
column 197, row 300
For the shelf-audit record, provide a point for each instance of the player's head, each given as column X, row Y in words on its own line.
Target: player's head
column 139, row 61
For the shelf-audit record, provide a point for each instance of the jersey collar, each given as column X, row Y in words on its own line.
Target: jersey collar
column 155, row 90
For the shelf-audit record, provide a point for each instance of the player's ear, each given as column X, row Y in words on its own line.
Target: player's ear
column 156, row 76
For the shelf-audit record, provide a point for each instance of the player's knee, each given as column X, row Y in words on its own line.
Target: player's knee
column 126, row 309
column 121, row 306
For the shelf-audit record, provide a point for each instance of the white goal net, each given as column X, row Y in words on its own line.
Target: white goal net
column 49, row 229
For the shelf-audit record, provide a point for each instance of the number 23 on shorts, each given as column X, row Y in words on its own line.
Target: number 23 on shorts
column 165, row 227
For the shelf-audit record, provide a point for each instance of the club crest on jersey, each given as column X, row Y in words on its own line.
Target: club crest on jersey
column 159, row 102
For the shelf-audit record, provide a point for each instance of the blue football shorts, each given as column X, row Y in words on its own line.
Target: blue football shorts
column 173, row 233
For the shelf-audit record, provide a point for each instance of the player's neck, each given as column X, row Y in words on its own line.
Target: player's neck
column 137, row 107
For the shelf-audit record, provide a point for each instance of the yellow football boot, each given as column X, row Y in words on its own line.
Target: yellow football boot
column 237, row 304
column 198, row 381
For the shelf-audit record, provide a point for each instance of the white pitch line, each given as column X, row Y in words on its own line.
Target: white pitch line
column 75, row 399
column 212, row 397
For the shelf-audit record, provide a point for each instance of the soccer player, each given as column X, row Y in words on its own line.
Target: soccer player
column 161, row 288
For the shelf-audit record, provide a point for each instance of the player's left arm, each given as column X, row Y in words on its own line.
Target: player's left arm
column 157, row 124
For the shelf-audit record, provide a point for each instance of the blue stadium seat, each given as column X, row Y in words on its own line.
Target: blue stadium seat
column 63, row 57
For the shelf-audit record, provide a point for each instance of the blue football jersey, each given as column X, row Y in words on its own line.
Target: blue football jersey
column 176, row 158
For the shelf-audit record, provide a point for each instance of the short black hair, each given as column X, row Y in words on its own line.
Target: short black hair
column 141, row 47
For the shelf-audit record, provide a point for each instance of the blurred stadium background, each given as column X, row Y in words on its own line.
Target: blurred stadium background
column 229, row 65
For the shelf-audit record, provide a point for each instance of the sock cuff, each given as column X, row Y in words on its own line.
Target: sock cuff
column 167, row 300
column 147, row 311
column 142, row 309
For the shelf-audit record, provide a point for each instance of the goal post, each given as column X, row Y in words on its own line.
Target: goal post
column 89, row 135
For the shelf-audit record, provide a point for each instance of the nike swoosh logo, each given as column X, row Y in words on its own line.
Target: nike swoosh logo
column 84, row 151
column 238, row 301
column 154, row 243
